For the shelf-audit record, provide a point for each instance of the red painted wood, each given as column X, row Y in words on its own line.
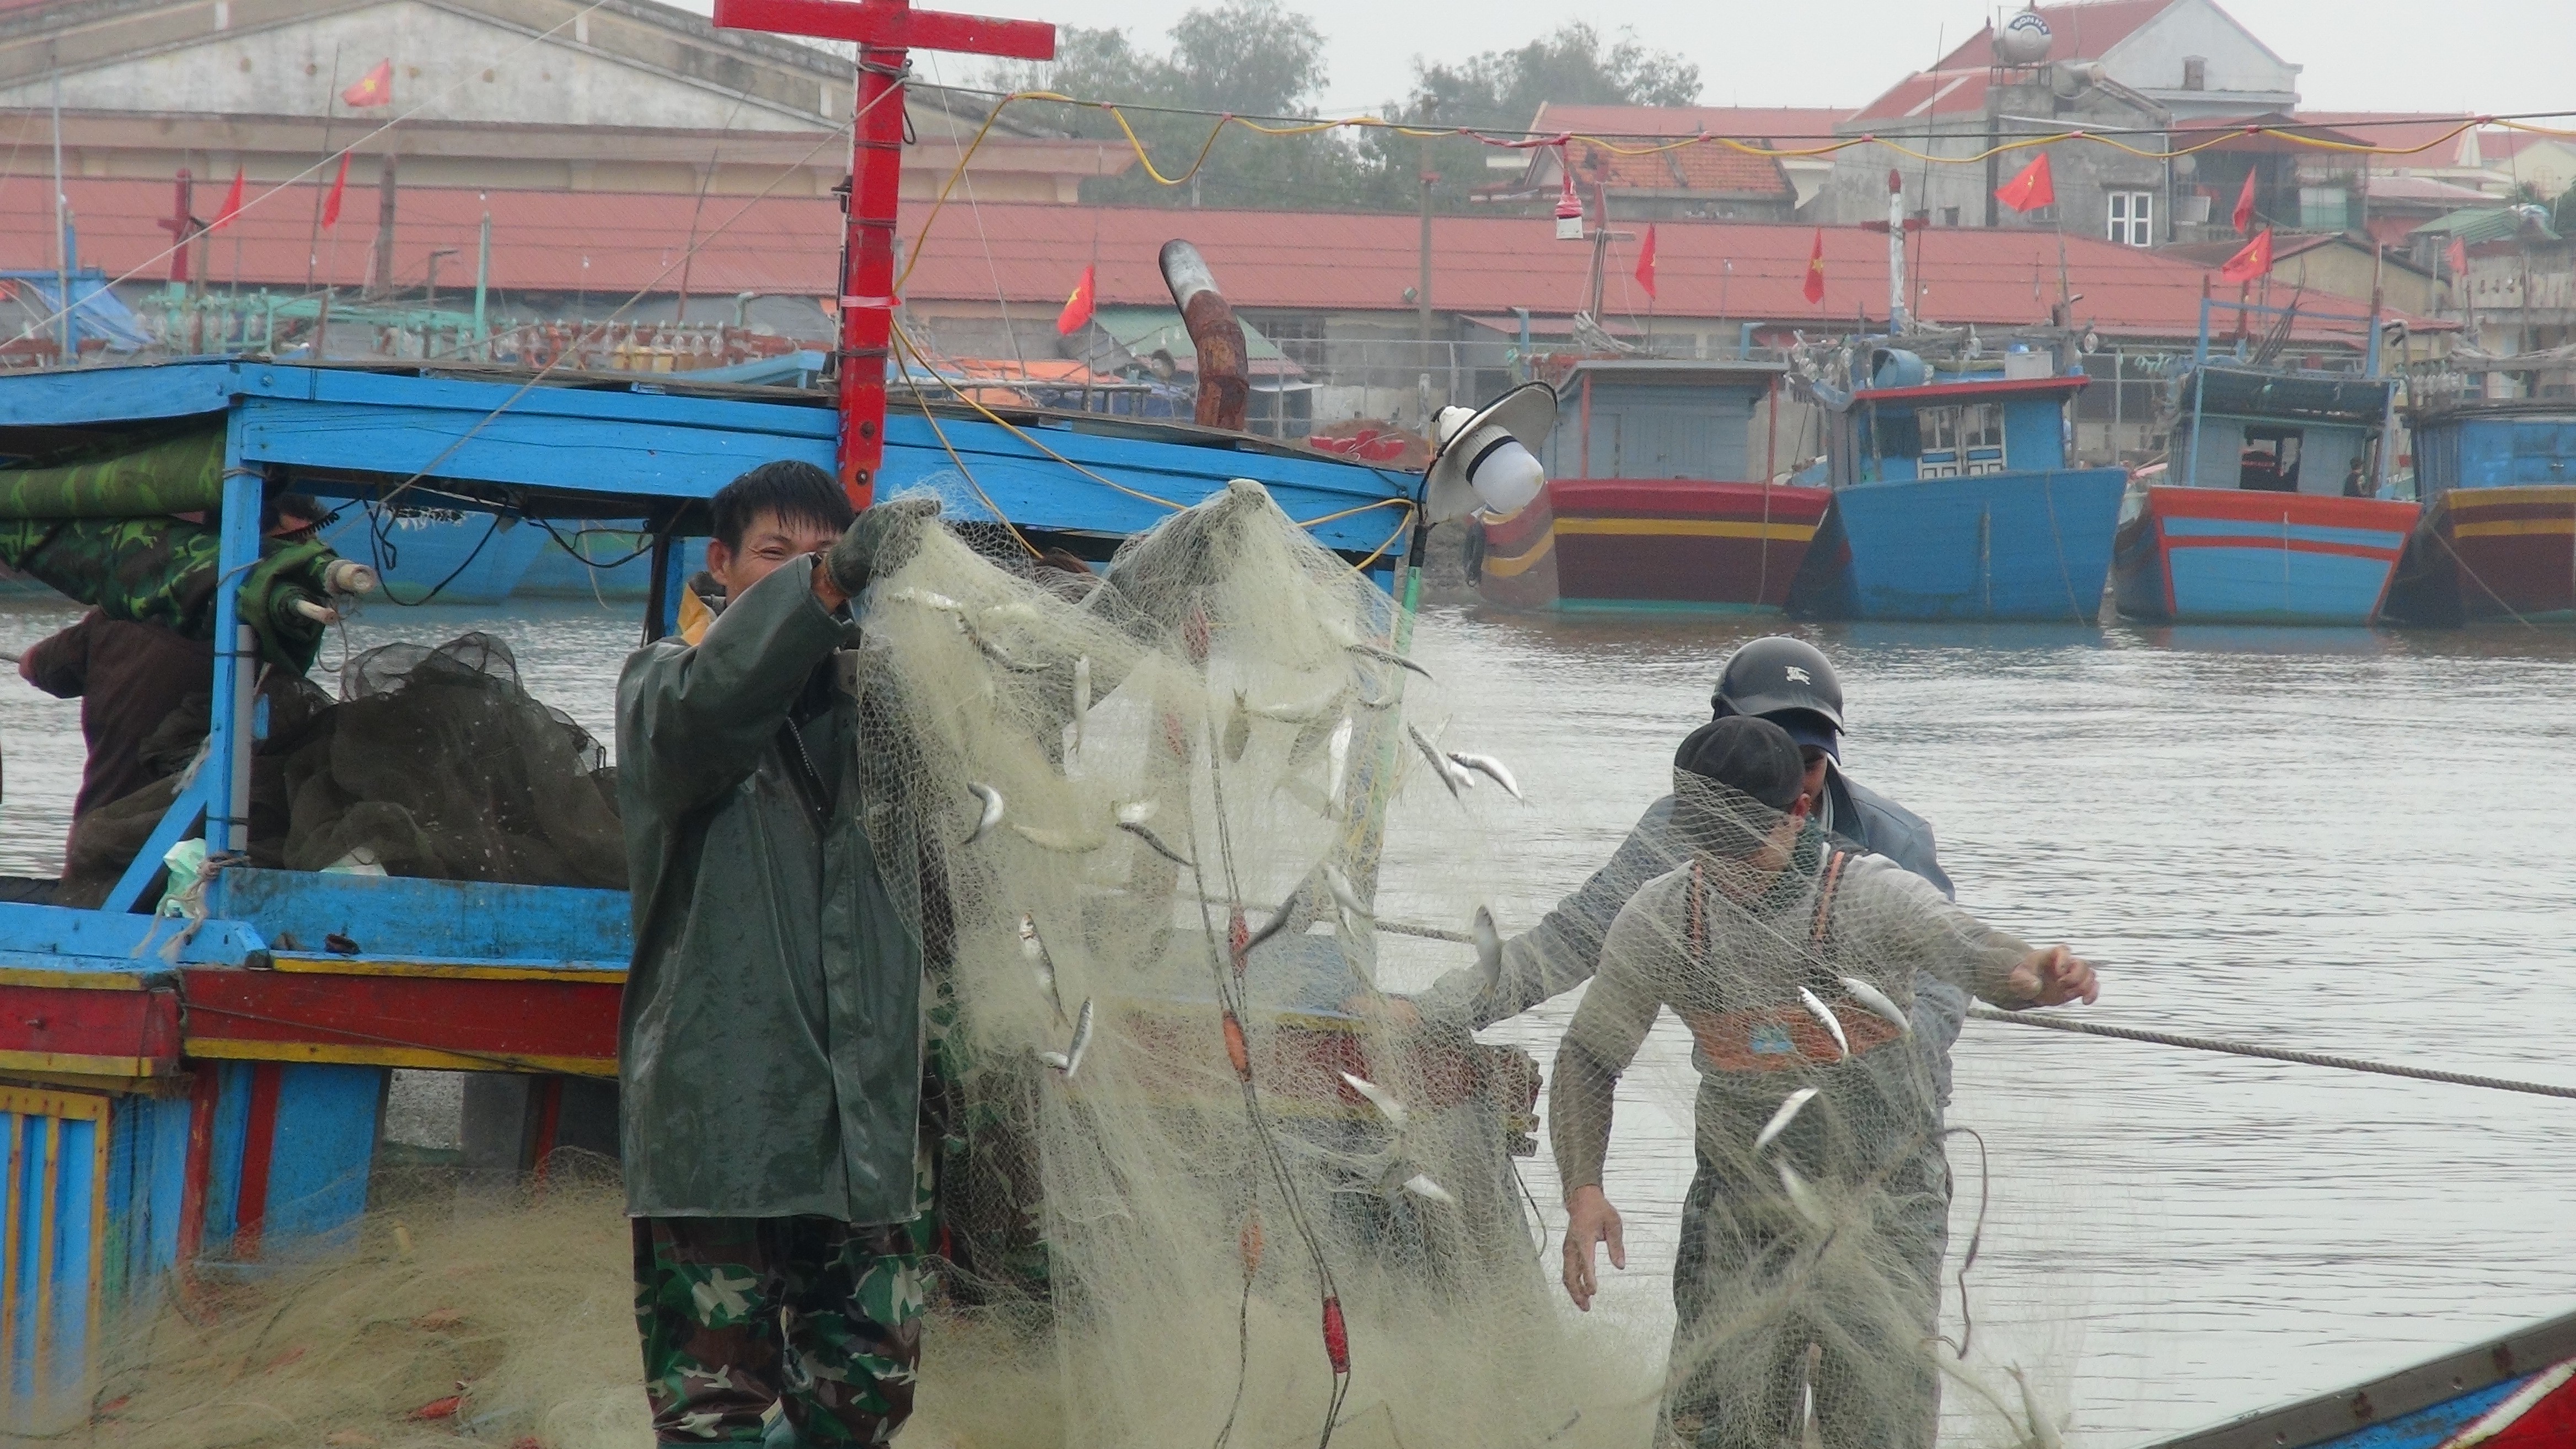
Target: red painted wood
column 2312, row 510
column 198, row 1173
column 2549, row 1424
column 884, row 29
column 504, row 1019
column 893, row 25
column 69, row 1021
column 549, row 1121
column 2284, row 545
column 259, row 1143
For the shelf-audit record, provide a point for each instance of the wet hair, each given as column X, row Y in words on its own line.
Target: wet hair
column 278, row 507
column 1732, row 778
column 793, row 490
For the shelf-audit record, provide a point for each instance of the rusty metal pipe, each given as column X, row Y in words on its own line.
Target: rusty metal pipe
column 1225, row 384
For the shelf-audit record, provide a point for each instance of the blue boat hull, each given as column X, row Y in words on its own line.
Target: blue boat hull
column 460, row 558
column 2221, row 555
column 620, row 568
column 2017, row 546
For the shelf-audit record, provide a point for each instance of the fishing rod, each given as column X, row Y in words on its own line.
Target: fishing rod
column 2275, row 1054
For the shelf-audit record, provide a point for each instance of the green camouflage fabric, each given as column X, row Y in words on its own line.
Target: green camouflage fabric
column 821, row 1317
column 162, row 571
column 183, row 474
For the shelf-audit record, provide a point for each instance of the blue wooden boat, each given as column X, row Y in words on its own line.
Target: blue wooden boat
column 606, row 561
column 2513, row 1392
column 435, row 553
column 2270, row 512
column 2498, row 536
column 138, row 1138
column 1952, row 498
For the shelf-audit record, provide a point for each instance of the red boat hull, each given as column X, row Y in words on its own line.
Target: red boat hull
column 1649, row 543
column 2491, row 553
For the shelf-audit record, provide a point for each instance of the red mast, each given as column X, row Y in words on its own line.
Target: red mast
column 884, row 30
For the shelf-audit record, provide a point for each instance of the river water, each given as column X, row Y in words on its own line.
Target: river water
column 2343, row 840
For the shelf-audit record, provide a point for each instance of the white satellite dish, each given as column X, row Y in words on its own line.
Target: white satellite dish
column 2024, row 40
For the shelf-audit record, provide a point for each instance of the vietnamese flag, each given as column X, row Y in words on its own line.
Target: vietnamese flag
column 1077, row 308
column 375, row 88
column 2244, row 217
column 2458, row 256
column 1646, row 261
column 339, row 185
column 1814, row 291
column 2252, row 262
column 232, row 204
column 2032, row 188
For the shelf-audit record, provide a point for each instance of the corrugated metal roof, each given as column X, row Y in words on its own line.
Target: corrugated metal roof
column 1032, row 255
column 2475, row 224
column 1718, row 170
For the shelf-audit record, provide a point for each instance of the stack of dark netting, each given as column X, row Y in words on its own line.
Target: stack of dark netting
column 438, row 763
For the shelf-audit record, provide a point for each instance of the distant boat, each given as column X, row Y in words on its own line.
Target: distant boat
column 1658, row 495
column 1952, row 498
column 2498, row 536
column 444, row 555
column 2253, row 523
column 605, row 561
column 2513, row 1392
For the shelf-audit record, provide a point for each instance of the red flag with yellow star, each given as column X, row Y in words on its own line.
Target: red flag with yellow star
column 1815, row 288
column 375, row 88
column 1077, row 308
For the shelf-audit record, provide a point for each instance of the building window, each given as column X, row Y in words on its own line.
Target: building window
column 2133, row 218
column 2195, row 73
column 2324, row 208
column 1949, row 216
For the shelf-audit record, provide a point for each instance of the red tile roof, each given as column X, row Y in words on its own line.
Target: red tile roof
column 1284, row 260
column 2076, row 32
column 2427, row 135
column 1718, row 170
column 1929, row 92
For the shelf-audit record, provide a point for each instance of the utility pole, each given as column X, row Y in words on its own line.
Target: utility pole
column 1895, row 252
column 385, row 184
column 1422, row 292
column 482, row 280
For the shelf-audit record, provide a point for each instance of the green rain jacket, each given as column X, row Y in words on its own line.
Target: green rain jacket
column 770, row 1052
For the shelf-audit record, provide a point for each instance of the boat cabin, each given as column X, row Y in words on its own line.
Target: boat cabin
column 1913, row 423
column 1635, row 417
column 2509, row 444
column 2278, row 431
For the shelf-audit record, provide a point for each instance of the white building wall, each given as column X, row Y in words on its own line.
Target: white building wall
column 2241, row 76
column 446, row 67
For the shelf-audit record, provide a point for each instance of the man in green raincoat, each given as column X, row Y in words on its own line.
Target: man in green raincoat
column 770, row 1055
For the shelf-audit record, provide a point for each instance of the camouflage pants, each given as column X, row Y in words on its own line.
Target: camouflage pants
column 820, row 1317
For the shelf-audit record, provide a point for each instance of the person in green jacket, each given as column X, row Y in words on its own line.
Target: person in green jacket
column 771, row 1048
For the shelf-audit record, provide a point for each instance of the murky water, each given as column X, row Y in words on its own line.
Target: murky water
column 2340, row 840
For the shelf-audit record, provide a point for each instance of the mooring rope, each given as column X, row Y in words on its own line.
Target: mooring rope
column 2276, row 1054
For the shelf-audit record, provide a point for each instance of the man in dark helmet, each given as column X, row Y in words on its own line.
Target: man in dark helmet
column 1789, row 682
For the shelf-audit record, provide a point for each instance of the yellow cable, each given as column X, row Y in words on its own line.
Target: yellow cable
column 958, row 458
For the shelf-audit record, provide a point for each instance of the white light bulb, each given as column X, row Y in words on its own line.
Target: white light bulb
column 1505, row 476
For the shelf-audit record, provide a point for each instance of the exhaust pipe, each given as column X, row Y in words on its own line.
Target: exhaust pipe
column 1225, row 385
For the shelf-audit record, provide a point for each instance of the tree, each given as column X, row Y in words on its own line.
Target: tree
column 2562, row 216
column 1502, row 90
column 1241, row 57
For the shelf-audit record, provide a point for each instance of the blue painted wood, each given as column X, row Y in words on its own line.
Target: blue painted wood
column 444, row 919
column 178, row 823
column 224, row 1160
column 115, row 394
column 76, row 940
column 2000, row 546
column 52, row 1234
column 475, row 397
column 146, row 1176
column 317, row 1177
column 226, row 766
column 2035, row 433
column 479, row 559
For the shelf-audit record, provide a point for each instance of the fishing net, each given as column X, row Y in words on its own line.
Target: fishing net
column 438, row 763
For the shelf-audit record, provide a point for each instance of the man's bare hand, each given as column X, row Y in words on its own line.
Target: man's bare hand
column 2052, row 976
column 1589, row 1220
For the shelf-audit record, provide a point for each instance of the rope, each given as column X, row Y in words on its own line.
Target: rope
column 2276, row 1054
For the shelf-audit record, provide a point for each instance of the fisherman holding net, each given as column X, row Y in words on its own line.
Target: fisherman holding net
column 1806, row 1285
column 771, row 1049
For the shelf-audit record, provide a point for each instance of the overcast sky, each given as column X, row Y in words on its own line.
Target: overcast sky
column 2464, row 55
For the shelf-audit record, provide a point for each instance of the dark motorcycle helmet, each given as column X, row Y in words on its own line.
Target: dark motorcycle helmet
column 1769, row 676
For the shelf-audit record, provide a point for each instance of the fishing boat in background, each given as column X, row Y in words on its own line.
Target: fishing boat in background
column 426, row 552
column 2498, row 536
column 2513, row 1392
column 1659, row 494
column 1952, row 498
column 2268, row 512
column 605, row 561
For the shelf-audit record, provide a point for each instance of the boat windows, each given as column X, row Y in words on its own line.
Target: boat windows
column 1958, row 442
column 2269, row 462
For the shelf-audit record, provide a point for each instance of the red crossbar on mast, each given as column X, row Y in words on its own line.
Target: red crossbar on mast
column 884, row 30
